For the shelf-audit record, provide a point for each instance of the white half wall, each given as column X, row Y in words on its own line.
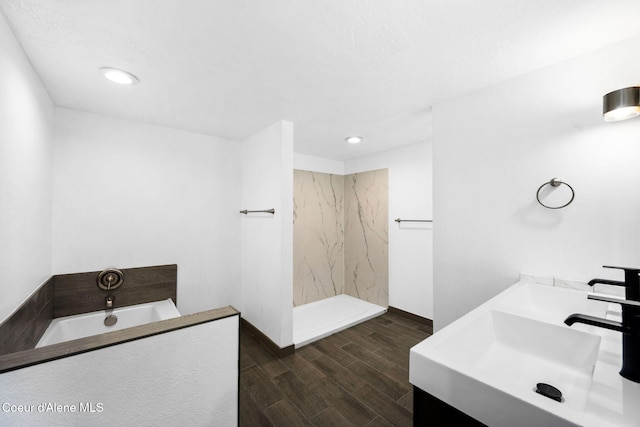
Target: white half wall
column 26, row 129
column 128, row 194
column 184, row 377
column 267, row 240
column 493, row 148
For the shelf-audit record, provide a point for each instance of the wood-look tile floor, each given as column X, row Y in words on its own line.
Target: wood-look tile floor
column 357, row 377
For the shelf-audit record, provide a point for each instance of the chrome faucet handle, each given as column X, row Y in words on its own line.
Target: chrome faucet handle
column 614, row 299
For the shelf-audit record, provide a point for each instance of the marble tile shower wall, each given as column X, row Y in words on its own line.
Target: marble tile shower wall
column 318, row 236
column 340, row 236
column 366, row 261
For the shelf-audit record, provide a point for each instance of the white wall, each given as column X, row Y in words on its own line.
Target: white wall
column 267, row 240
column 185, row 377
column 26, row 127
column 410, row 244
column 128, row 194
column 492, row 149
column 316, row 164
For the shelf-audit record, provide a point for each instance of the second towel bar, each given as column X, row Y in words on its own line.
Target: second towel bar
column 412, row 220
column 271, row 211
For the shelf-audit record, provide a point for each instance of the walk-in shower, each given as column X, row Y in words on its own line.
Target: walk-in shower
column 340, row 246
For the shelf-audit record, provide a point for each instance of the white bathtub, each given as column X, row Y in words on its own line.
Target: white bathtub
column 87, row 324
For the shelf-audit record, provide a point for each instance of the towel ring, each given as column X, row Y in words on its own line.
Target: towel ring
column 555, row 182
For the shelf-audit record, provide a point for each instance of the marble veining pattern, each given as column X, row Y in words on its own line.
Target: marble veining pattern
column 340, row 236
column 367, row 236
column 318, row 236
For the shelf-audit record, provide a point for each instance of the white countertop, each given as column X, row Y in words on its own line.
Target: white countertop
column 611, row 399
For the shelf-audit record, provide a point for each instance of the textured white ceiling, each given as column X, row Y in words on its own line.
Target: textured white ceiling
column 332, row 67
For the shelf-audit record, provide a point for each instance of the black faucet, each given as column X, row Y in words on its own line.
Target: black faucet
column 631, row 282
column 630, row 325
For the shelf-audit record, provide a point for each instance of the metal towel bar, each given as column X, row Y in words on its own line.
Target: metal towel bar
column 271, row 211
column 412, row 220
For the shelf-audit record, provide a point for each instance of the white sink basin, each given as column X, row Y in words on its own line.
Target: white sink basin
column 514, row 353
column 488, row 362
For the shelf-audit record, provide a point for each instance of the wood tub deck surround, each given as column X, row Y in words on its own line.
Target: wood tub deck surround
column 79, row 293
column 76, row 293
column 23, row 329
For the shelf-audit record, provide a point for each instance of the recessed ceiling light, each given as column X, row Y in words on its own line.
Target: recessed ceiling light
column 119, row 76
column 353, row 139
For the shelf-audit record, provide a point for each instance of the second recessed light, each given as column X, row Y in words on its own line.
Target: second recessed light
column 119, row 76
column 353, row 139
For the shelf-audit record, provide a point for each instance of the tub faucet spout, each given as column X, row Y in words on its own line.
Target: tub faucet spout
column 109, row 301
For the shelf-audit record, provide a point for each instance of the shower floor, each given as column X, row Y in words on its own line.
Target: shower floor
column 320, row 319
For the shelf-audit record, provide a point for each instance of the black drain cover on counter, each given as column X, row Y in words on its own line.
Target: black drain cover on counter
column 549, row 391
